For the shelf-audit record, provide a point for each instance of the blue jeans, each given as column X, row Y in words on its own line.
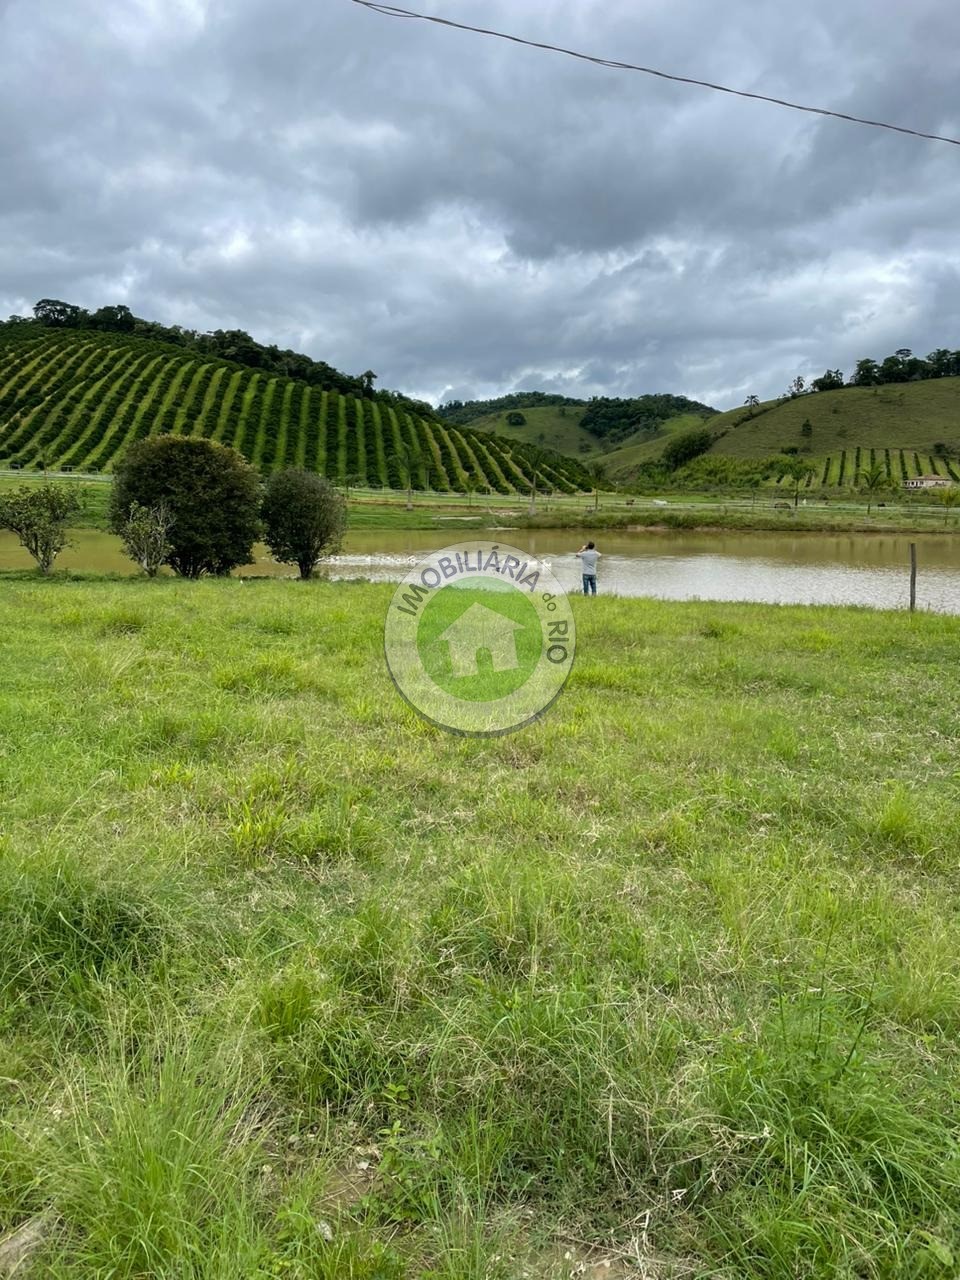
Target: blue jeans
column 589, row 584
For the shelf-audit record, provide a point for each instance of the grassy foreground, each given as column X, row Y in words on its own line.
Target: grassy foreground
column 295, row 985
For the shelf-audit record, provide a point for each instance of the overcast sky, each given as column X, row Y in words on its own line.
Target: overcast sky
column 469, row 217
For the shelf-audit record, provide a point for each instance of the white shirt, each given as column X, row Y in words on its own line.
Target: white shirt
column 588, row 560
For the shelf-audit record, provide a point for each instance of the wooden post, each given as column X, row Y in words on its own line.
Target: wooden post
column 913, row 576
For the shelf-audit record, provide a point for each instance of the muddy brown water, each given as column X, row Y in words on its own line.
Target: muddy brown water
column 777, row 568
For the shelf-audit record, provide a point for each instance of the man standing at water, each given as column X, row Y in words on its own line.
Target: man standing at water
column 589, row 556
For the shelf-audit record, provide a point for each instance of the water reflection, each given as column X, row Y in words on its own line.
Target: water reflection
column 771, row 567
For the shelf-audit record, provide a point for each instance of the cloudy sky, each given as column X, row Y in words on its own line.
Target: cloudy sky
column 467, row 216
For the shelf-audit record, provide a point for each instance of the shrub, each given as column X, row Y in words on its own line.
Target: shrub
column 211, row 493
column 303, row 517
column 145, row 536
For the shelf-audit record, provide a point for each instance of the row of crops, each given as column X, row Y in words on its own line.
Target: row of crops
column 78, row 399
column 845, row 469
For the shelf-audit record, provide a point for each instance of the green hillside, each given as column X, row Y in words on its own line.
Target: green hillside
column 585, row 429
column 76, row 398
column 913, row 415
column 622, row 461
column 907, row 429
column 549, row 426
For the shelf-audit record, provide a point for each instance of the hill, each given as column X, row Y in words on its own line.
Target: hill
column 622, row 461
column 579, row 428
column 547, row 426
column 235, row 345
column 76, row 398
column 913, row 415
column 908, row 429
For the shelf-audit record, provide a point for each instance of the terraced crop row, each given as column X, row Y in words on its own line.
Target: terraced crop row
column 78, row 399
column 843, row 469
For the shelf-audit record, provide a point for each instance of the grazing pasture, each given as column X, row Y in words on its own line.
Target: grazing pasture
column 294, row 984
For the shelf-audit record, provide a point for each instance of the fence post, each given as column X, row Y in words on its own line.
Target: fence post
column 913, row 576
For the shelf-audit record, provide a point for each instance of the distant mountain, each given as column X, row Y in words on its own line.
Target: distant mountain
column 77, row 397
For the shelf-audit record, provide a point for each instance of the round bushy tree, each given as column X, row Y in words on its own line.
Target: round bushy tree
column 304, row 518
column 211, row 493
column 39, row 519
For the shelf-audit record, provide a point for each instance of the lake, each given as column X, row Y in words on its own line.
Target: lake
column 772, row 567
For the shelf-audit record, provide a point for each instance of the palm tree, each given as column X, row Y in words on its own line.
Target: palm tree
column 406, row 473
column 535, row 457
column 598, row 473
column 873, row 480
column 752, row 402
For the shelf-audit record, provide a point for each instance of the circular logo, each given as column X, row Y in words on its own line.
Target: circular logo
column 480, row 638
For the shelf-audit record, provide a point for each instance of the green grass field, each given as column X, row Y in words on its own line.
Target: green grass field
column 295, row 985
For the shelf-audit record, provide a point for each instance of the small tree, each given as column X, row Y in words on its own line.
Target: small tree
column 144, row 536
column 516, row 419
column 598, row 473
column 38, row 516
column 950, row 498
column 752, row 402
column 797, row 471
column 211, row 493
column 304, row 518
column 873, row 480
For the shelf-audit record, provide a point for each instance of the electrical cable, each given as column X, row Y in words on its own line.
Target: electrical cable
column 393, row 11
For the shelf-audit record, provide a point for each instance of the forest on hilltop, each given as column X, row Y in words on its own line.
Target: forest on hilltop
column 607, row 418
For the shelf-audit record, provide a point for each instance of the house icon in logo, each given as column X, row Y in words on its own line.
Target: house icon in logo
column 480, row 628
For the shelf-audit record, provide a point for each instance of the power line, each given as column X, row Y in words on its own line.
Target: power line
column 392, row 11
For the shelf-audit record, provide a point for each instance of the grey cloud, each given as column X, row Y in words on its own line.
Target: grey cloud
column 467, row 216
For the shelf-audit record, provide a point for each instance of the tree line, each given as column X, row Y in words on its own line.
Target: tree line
column 462, row 412
column 612, row 419
column 607, row 417
column 227, row 344
column 902, row 366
